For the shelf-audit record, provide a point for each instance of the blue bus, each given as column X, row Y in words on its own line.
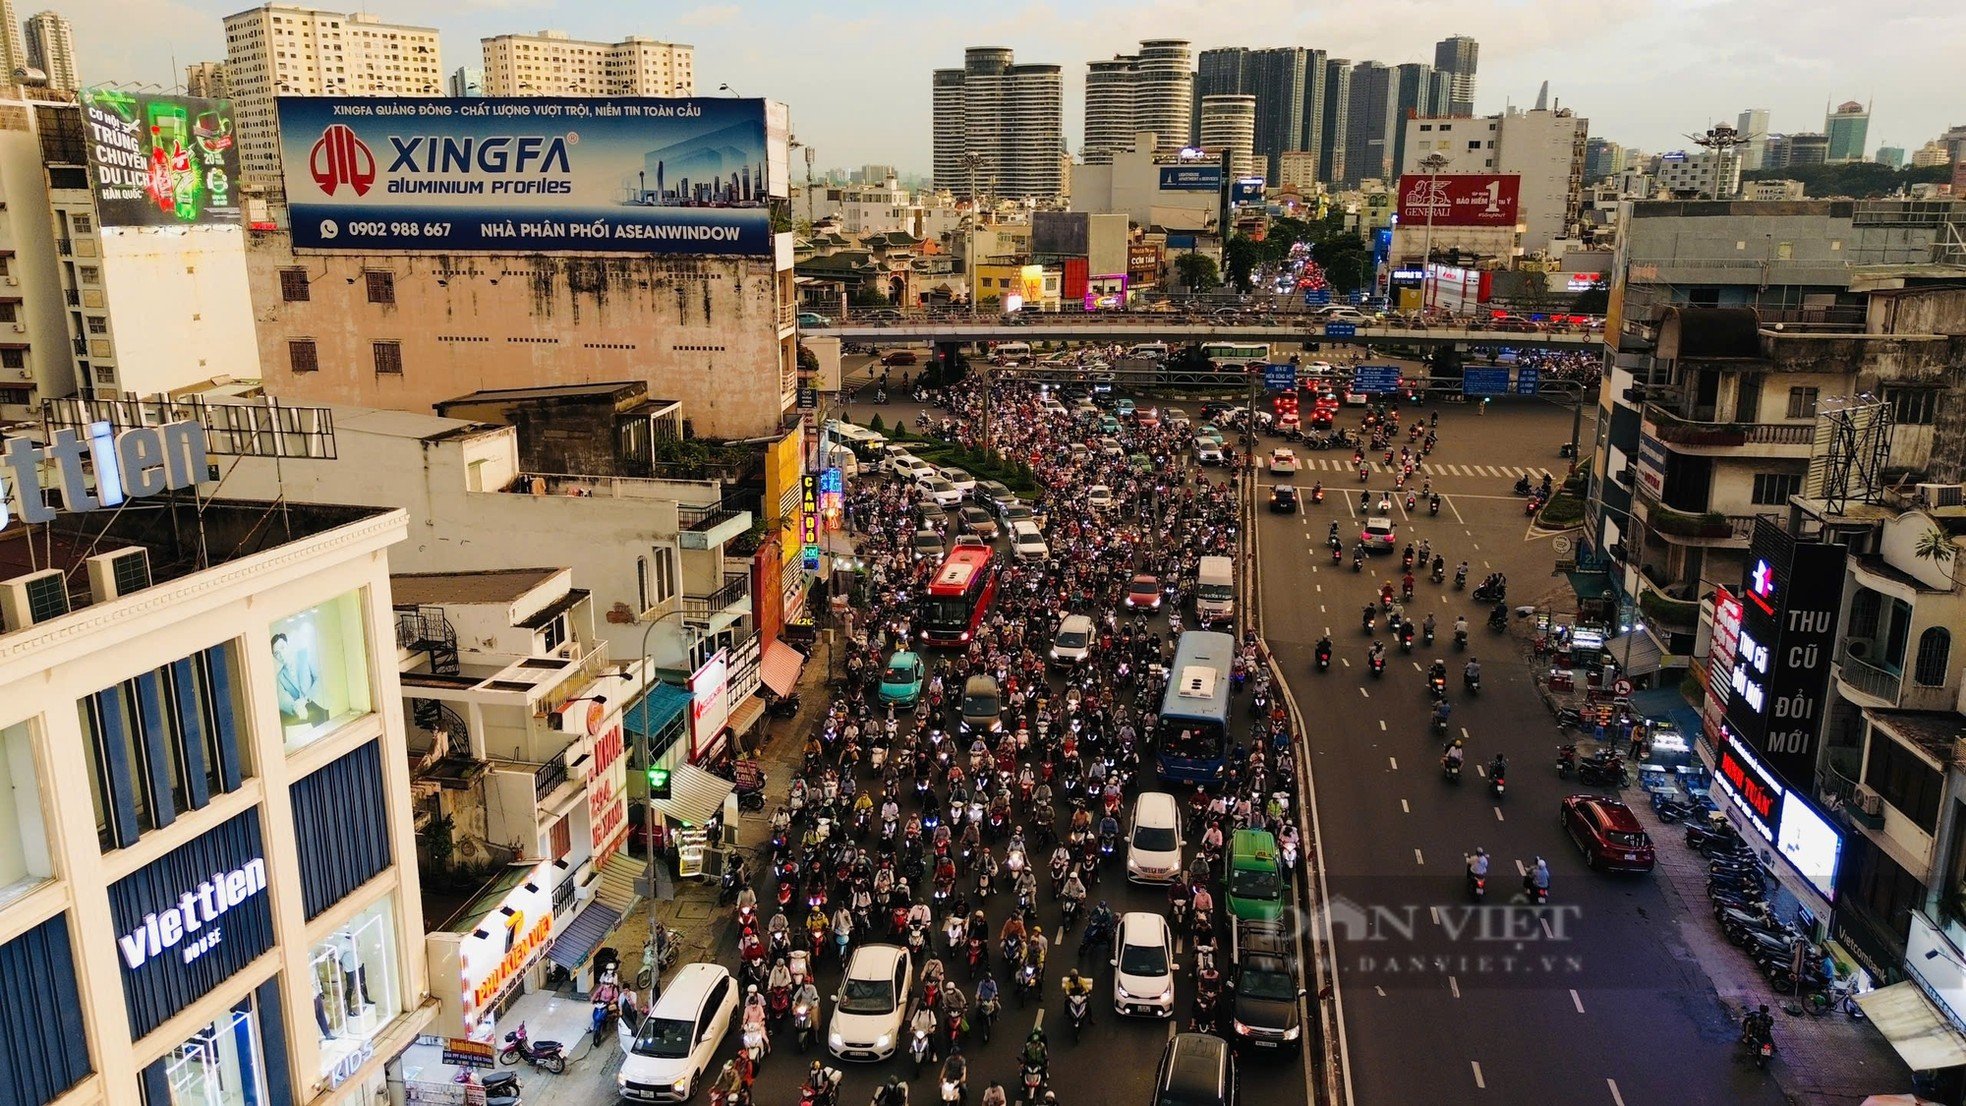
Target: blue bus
column 1192, row 736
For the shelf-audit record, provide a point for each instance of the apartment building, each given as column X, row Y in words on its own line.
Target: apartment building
column 552, row 63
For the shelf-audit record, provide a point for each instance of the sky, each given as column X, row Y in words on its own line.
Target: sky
column 856, row 75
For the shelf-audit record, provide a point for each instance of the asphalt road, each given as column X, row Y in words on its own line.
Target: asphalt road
column 1590, row 1000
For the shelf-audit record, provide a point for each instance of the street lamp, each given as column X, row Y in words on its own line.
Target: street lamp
column 650, row 682
column 1433, row 164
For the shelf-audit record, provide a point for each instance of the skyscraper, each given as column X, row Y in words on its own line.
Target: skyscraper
column 466, row 82
column 551, row 63
column 207, row 79
column 1414, row 88
column 1753, row 124
column 1337, row 120
column 281, row 50
column 1456, row 57
column 1008, row 117
column 1108, row 109
column 1230, row 121
column 1164, row 90
column 1602, row 158
column 51, row 49
column 1288, row 84
column 1371, row 123
column 13, row 46
column 1848, row 128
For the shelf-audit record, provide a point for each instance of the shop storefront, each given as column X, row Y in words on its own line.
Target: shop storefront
column 495, row 952
column 321, row 675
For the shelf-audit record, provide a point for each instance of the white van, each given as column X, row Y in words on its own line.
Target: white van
column 1152, row 351
column 865, row 442
column 1153, row 843
column 1012, row 353
column 1027, row 542
column 842, row 458
column 1215, row 591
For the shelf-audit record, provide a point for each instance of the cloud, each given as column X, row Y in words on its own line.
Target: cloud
column 711, row 16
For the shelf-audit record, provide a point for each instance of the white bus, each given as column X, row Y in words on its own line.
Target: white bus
column 1236, row 355
column 1012, row 353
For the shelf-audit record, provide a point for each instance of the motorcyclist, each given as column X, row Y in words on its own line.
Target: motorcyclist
column 1377, row 654
column 1428, row 626
column 1539, row 876
column 1499, row 767
column 808, row 996
column 1460, row 627
column 1324, row 646
column 1441, row 710
column 1478, row 863
column 753, row 1022
column 1101, row 919
column 1759, row 1025
column 955, row 1069
column 926, row 1023
column 1073, row 889
column 1472, row 672
column 1035, row 1053
column 1438, row 671
column 994, row 1095
column 893, row 1092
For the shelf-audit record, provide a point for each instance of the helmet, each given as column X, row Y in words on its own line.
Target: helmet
column 1457, row 743
column 1074, row 975
column 1037, row 1034
column 751, row 990
column 1479, row 851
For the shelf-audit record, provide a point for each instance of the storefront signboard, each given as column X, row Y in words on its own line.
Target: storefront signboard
column 508, row 941
column 140, row 461
column 1793, row 592
column 607, row 795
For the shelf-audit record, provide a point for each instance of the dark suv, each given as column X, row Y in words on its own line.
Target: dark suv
column 1264, row 987
column 1197, row 1069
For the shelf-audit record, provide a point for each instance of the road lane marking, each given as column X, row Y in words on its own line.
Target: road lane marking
column 1578, row 1001
column 1364, row 693
column 1481, row 770
column 1434, row 913
column 1454, row 986
column 1498, row 814
column 1394, row 761
column 1381, row 990
column 1521, row 869
column 1418, row 859
column 1480, row 1084
column 1404, row 808
column 1382, row 725
column 1547, row 931
column 1346, row 660
column 1417, row 668
column 1449, row 500
column 1464, row 733
column 1039, row 1022
column 1616, row 1098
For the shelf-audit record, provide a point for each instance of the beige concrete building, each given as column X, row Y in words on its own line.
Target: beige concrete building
column 51, row 49
column 552, row 64
column 282, row 50
column 207, row 79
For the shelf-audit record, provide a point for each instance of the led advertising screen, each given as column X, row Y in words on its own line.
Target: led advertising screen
column 1459, row 200
column 392, row 174
column 161, row 161
column 1191, row 178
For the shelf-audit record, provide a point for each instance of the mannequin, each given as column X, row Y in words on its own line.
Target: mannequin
column 354, row 977
column 321, row 1013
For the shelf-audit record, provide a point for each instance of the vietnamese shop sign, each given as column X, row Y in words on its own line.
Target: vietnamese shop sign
column 1791, row 595
column 140, row 461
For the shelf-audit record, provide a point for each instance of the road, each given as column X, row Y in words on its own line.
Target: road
column 1593, row 1000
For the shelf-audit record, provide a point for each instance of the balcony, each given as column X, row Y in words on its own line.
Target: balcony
column 788, row 315
column 66, row 246
column 705, row 526
column 1700, row 528
column 1861, row 680
column 1695, row 436
column 704, row 609
column 549, row 776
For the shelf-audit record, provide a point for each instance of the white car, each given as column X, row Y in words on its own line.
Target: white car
column 665, row 1058
column 1283, row 462
column 941, row 491
column 1143, row 966
column 1074, row 641
column 913, row 468
column 1208, row 451
column 899, row 463
column 1344, row 315
column 1099, row 497
column 964, row 482
column 1027, row 542
column 1153, row 847
column 873, row 997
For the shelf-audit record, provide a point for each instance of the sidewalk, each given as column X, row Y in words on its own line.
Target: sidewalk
column 1831, row 1059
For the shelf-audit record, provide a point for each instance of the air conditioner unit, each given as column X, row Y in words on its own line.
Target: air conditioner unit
column 1868, row 801
column 1942, row 495
column 118, row 573
column 33, row 599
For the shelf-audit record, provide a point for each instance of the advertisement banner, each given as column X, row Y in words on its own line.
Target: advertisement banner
column 709, row 701
column 161, row 161
column 1459, row 200
column 1106, row 293
column 1651, row 462
column 1191, row 178
column 504, row 946
column 669, row 176
column 1030, row 285
column 1793, row 591
column 1246, row 190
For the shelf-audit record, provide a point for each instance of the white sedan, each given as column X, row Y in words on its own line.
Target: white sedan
column 964, row 482
column 1283, row 462
column 941, row 491
column 1099, row 497
column 873, row 997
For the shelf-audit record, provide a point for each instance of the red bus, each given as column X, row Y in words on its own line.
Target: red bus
column 958, row 596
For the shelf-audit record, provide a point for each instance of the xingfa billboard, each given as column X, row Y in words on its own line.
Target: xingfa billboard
column 523, row 175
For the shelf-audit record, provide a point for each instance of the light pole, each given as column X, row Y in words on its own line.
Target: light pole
column 1433, row 164
column 649, row 682
column 971, row 162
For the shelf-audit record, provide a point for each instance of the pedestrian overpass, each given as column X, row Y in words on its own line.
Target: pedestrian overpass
column 1135, row 330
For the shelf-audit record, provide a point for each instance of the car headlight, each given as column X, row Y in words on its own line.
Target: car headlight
column 1054, row 654
column 1293, row 1033
column 621, row 1079
column 835, row 1040
column 883, row 1040
column 1243, row 1030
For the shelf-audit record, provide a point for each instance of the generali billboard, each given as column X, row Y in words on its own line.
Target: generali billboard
column 1459, row 200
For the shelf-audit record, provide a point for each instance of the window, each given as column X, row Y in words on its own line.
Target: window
column 9, row 312
column 301, row 356
column 353, row 975
column 98, row 324
column 88, row 274
column 220, row 1065
column 81, row 224
column 560, row 837
column 294, row 287
column 1934, row 648
column 664, row 576
column 13, row 358
column 1912, row 406
column 1802, row 403
column 1775, row 488
column 553, row 634
column 388, row 357
column 321, row 668
column 1474, row 144
column 382, row 286
column 25, row 862
column 1903, row 779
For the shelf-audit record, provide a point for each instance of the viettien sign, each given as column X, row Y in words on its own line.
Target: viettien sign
column 141, row 461
column 192, row 921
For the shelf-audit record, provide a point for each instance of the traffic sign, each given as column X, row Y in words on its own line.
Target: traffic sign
column 1375, row 379
column 1622, row 688
column 1484, row 382
column 1317, row 297
column 1340, row 330
column 1527, row 380
column 1280, row 378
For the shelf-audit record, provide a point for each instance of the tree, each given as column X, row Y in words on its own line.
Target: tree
column 1240, row 258
column 1535, row 289
column 1592, row 301
column 869, row 295
column 876, row 424
column 1197, row 272
column 1935, row 545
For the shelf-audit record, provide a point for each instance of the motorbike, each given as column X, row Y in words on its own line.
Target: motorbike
column 1406, row 637
column 1477, row 885
column 1032, row 1080
column 1426, row 633
column 1450, row 768
column 1437, row 688
column 1497, row 785
column 1378, row 663
column 1358, row 561
column 1602, row 771
column 1759, row 1044
column 1337, row 555
column 918, row 1049
column 1433, row 506
column 1472, row 683
column 1438, row 574
column 986, row 1016
column 1566, row 760
column 501, row 1089
column 1491, row 591
column 1077, row 1006
column 550, row 1055
column 1538, row 896
column 804, row 1029
column 1460, row 640
column 1367, row 622
column 1324, row 658
column 1498, row 620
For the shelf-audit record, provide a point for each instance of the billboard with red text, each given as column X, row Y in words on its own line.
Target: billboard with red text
column 1459, row 199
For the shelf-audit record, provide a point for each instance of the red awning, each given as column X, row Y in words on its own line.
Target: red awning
column 779, row 670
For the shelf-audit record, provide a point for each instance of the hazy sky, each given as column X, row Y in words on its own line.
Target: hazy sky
column 856, row 74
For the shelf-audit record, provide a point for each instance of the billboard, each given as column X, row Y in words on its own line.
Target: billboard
column 1030, row 285
column 1191, row 178
column 161, row 161
column 1106, row 293
column 1459, row 200
column 1789, row 607
column 675, row 176
column 1246, row 190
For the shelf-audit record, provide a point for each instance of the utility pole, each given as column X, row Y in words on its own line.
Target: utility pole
column 1433, row 164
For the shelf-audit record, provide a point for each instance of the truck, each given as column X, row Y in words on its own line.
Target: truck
column 1215, row 591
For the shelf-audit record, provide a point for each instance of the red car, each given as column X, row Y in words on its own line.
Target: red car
column 1608, row 834
column 1143, row 594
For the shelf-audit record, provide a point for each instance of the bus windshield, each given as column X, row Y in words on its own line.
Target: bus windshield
column 948, row 612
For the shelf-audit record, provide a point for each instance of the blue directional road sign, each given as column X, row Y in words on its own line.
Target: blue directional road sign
column 1317, row 297
column 1375, row 379
column 1280, row 378
column 1527, row 380
column 1484, row 382
column 1340, row 330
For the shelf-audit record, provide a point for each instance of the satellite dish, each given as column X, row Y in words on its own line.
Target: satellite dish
column 28, row 75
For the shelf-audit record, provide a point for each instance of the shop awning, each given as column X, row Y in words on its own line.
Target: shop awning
column 1666, row 704
column 779, row 670
column 1922, row 1035
column 744, row 716
column 589, row 927
column 695, row 795
column 1644, row 659
column 1590, row 586
column 658, row 708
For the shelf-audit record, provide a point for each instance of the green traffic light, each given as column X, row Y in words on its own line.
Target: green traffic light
column 658, row 779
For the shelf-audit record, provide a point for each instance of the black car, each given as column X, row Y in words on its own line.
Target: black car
column 1263, row 999
column 1283, row 499
column 1196, row 1069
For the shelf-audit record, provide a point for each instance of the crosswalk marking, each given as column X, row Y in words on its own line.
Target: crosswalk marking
column 1510, row 472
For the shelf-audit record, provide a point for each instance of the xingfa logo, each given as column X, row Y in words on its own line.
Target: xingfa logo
column 339, row 158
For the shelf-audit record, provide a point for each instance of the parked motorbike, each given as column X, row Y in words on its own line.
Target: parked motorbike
column 550, row 1055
